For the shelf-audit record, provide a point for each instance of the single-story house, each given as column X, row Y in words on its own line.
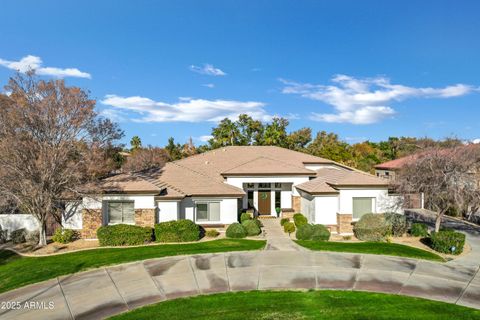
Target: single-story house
column 212, row 188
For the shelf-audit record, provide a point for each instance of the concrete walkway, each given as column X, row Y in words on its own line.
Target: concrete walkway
column 277, row 239
column 104, row 292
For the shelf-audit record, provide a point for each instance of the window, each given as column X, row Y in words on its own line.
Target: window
column 208, row 211
column 264, row 185
column 121, row 212
column 250, row 199
column 250, row 185
column 362, row 206
column 278, row 202
column 387, row 173
column 278, row 185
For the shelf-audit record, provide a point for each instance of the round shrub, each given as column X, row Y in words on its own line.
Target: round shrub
column 258, row 222
column 320, row 233
column 283, row 221
column 33, row 236
column 64, row 235
column 371, row 227
column 446, row 241
column 398, row 223
column 299, row 220
column 251, row 227
column 289, row 227
column 182, row 230
column 18, row 236
column 419, row 230
column 123, row 235
column 245, row 216
column 236, row 230
column 304, row 232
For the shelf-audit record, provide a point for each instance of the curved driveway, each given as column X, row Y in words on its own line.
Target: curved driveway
column 107, row 291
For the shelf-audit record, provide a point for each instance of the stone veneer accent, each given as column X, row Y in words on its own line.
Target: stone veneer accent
column 296, row 204
column 145, row 217
column 344, row 223
column 92, row 220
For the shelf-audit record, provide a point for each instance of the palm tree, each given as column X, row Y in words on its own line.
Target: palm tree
column 136, row 142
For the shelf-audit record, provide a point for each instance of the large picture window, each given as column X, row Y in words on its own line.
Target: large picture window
column 362, row 206
column 208, row 211
column 121, row 212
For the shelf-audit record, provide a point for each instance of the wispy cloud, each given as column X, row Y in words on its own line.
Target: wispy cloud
column 114, row 115
column 204, row 138
column 365, row 100
column 186, row 109
column 208, row 69
column 209, row 85
column 35, row 63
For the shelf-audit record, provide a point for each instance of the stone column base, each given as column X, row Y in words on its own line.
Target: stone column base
column 145, row 217
column 91, row 221
column 344, row 223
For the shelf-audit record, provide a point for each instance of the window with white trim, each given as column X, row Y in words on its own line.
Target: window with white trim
column 208, row 211
column 121, row 212
column 362, row 205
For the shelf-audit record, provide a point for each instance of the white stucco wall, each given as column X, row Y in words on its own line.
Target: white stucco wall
column 378, row 205
column 228, row 209
column 307, row 204
column 72, row 217
column 12, row 222
column 140, row 201
column 168, row 210
column 326, row 208
column 239, row 181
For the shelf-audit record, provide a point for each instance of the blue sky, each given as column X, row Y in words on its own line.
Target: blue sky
column 362, row 69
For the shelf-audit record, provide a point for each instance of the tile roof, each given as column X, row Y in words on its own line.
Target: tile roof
column 127, row 183
column 266, row 166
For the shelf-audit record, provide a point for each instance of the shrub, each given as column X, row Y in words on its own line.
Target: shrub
column 305, row 232
column 123, row 235
column 283, row 221
column 33, row 236
column 3, row 235
column 289, row 227
column 245, row 216
column 299, row 220
column 446, row 241
column 347, row 238
column 320, row 233
column 18, row 236
column 398, row 223
column 236, row 230
column 212, row 233
column 182, row 230
column 251, row 227
column 65, row 235
column 419, row 230
column 258, row 222
column 371, row 227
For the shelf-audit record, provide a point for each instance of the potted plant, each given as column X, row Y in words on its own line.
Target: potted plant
column 278, row 210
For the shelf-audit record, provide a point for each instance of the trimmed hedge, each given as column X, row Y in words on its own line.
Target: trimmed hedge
column 283, row 221
column 182, row 230
column 371, row 227
column 123, row 235
column 398, row 223
column 18, row 236
column 212, row 233
column 258, row 222
column 419, row 230
column 304, row 232
column 236, row 231
column 251, row 227
column 289, row 227
column 445, row 241
column 320, row 233
column 64, row 235
column 245, row 216
column 299, row 220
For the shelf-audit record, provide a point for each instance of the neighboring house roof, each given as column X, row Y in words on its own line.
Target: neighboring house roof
column 204, row 174
column 397, row 163
column 264, row 166
column 329, row 179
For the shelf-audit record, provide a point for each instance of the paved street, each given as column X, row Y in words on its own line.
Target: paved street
column 107, row 291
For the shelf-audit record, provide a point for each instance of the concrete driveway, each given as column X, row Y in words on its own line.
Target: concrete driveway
column 107, row 291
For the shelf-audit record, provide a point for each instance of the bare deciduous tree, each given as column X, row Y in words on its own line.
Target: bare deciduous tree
column 146, row 158
column 51, row 143
column 449, row 178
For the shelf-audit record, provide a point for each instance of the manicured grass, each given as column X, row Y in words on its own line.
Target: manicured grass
column 390, row 249
column 301, row 305
column 17, row 271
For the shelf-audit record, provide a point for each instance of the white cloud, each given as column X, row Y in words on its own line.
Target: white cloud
column 209, row 85
column 476, row 141
column 35, row 63
column 365, row 101
column 208, row 69
column 204, row 138
column 186, row 109
column 114, row 115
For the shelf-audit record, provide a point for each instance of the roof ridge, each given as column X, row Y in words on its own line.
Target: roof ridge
column 288, row 163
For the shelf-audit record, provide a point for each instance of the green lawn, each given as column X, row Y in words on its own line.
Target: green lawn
column 390, row 249
column 278, row 305
column 17, row 271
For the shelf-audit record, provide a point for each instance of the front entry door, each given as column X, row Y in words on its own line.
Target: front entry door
column 264, row 202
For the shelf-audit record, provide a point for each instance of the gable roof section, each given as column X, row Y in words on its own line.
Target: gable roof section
column 317, row 186
column 128, row 183
column 263, row 166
